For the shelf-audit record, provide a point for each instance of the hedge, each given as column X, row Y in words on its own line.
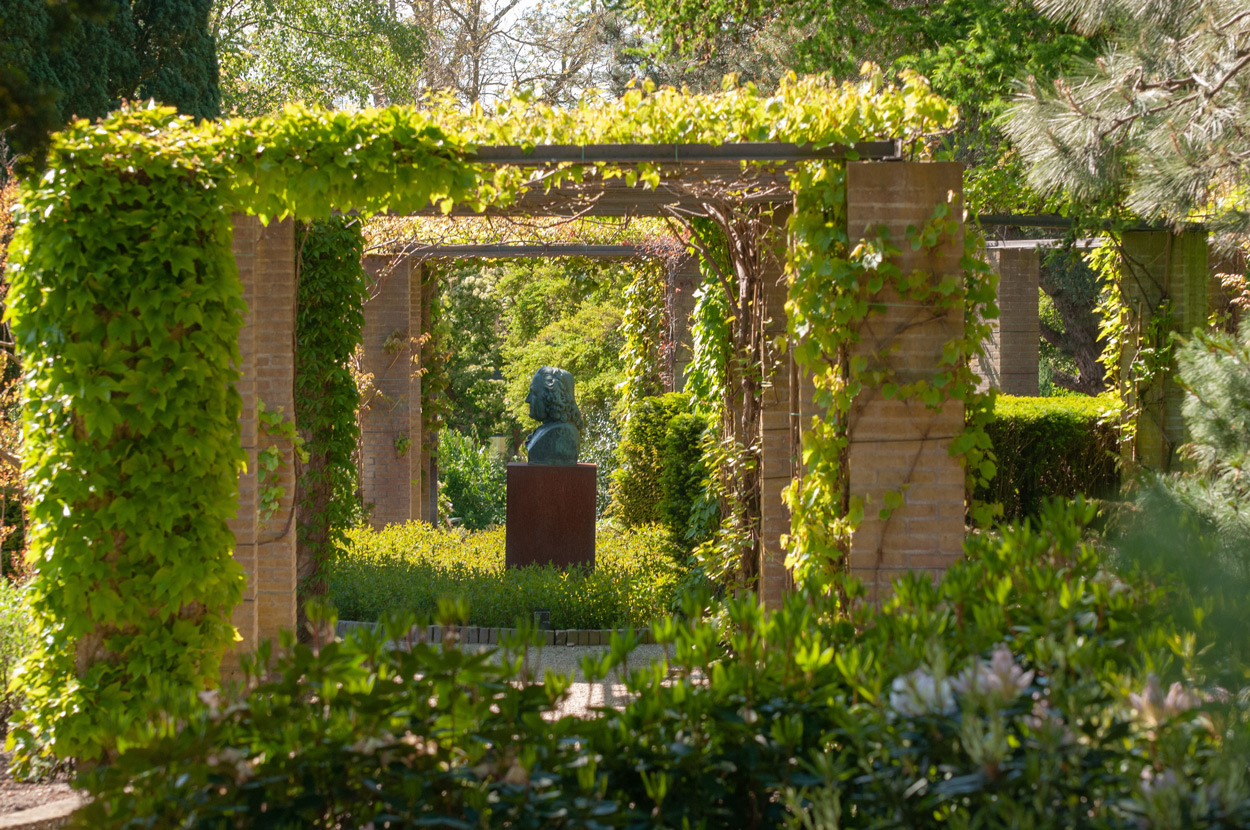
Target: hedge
column 410, row 567
column 661, row 469
column 1060, row 446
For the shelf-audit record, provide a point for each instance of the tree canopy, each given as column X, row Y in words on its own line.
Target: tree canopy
column 84, row 60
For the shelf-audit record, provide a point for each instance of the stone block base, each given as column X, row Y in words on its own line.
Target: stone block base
column 551, row 515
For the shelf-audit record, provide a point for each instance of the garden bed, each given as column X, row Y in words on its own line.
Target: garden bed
column 412, row 567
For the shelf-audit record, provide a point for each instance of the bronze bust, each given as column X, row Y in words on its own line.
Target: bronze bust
column 551, row 402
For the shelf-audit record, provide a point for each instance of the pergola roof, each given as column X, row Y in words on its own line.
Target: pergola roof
column 690, row 174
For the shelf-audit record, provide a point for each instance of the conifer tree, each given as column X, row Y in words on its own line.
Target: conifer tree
column 57, row 65
column 1159, row 123
column 1193, row 528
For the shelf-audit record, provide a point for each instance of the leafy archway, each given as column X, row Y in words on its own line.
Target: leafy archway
column 125, row 303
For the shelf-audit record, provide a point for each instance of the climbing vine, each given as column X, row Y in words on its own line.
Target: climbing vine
column 330, row 295
column 836, row 285
column 276, row 432
column 125, row 303
column 643, row 327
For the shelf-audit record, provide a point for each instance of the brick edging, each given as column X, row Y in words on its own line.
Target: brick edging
column 481, row 635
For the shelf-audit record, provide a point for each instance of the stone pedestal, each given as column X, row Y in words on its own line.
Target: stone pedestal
column 551, row 515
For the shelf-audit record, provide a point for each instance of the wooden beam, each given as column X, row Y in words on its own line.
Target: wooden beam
column 508, row 251
column 761, row 151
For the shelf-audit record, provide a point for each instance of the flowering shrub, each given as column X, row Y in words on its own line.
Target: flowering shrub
column 1026, row 690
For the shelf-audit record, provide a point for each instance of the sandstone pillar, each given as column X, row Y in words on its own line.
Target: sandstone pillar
column 1011, row 356
column 683, row 278
column 786, row 400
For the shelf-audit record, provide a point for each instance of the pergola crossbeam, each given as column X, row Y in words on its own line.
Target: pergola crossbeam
column 745, row 151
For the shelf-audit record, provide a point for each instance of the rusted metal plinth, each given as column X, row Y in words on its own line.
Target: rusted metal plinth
column 551, row 515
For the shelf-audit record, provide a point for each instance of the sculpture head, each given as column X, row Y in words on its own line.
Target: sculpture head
column 551, row 398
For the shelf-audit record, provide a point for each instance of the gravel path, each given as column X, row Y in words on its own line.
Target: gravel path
column 583, row 696
column 21, row 795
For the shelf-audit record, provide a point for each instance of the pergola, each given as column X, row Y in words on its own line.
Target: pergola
column 893, row 443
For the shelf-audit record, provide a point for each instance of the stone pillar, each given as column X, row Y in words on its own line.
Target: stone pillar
column 266, row 261
column 390, row 479
column 683, row 279
column 1159, row 266
column 1011, row 356
column 902, row 445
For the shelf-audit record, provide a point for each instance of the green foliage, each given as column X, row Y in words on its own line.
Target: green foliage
column 473, row 310
column 974, row 52
column 329, row 324
column 82, row 62
column 1172, row 148
column 637, row 487
column 707, row 376
column 414, row 737
column 1028, row 689
column 1051, row 447
column 566, row 314
column 126, row 306
column 412, row 567
column 17, row 640
column 474, row 481
column 643, row 327
column 326, row 54
column 1192, row 528
column 683, row 478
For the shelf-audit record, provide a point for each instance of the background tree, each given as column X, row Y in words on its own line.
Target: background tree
column 479, row 48
column 85, row 59
column 1070, row 324
column 340, row 53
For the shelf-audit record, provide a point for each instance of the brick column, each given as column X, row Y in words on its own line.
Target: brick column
column 424, row 470
column 896, row 444
column 389, row 481
column 1011, row 358
column 1158, row 266
column 786, row 400
column 247, row 231
column 683, row 279
column 266, row 261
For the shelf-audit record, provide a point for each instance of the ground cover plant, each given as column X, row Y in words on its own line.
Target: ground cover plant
column 1031, row 688
column 412, row 567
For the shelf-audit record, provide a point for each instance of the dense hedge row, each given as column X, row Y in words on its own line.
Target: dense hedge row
column 661, row 466
column 411, row 567
column 1030, row 688
column 1051, row 447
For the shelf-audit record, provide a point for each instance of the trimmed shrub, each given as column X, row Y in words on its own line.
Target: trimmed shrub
column 412, row 567
column 1051, row 447
column 475, row 482
column 682, row 475
column 1030, row 688
column 636, row 485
